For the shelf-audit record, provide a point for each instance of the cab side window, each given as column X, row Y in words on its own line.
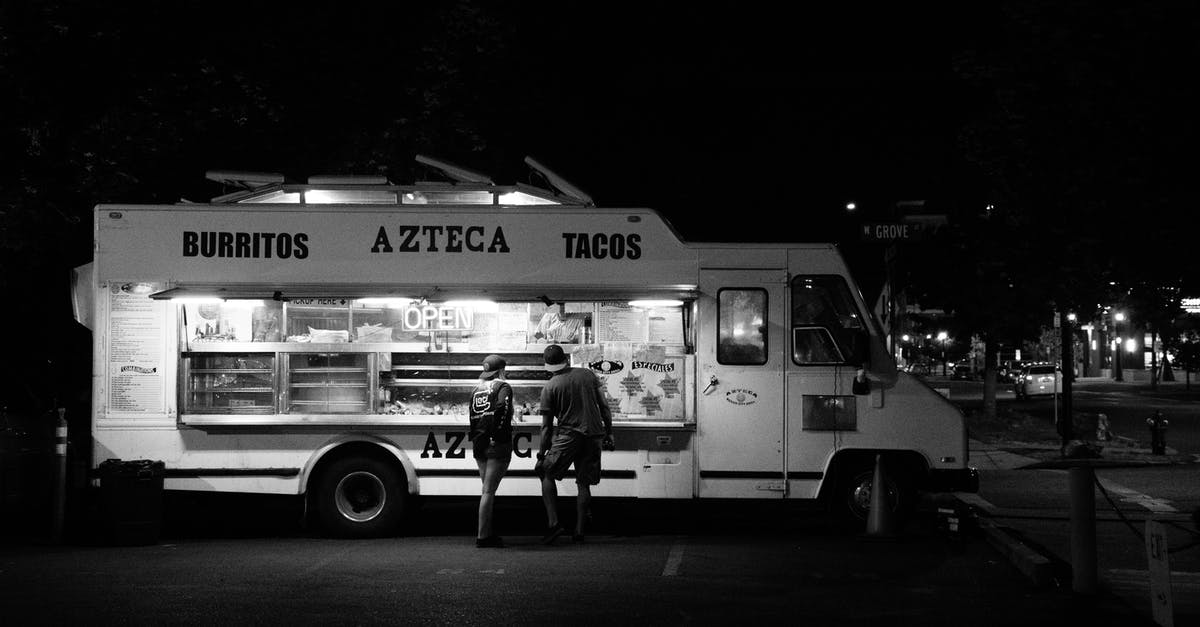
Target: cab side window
column 742, row 327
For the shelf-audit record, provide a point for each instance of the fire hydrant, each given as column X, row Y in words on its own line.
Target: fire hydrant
column 1158, row 433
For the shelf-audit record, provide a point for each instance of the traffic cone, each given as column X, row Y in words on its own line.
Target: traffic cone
column 880, row 520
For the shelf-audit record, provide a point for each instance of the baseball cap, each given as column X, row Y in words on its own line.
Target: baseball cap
column 492, row 365
column 554, row 357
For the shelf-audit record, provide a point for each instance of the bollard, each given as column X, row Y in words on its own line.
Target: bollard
column 1083, row 529
column 1158, row 433
column 60, row 477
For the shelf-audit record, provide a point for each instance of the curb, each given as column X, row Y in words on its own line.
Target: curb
column 1037, row 568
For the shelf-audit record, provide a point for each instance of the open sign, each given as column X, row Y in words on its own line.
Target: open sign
column 438, row 318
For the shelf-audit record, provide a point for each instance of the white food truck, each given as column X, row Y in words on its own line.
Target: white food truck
column 322, row 339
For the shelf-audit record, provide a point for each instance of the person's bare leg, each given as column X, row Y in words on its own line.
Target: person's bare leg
column 491, row 472
column 581, row 506
column 550, row 500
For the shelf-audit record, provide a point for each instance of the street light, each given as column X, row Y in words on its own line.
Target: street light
column 942, row 338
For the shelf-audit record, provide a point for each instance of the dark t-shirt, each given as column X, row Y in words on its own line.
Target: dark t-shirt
column 576, row 397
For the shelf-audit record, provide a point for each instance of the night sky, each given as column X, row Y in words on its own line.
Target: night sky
column 732, row 118
column 772, row 111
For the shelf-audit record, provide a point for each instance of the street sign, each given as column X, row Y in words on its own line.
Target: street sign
column 1162, row 609
column 893, row 231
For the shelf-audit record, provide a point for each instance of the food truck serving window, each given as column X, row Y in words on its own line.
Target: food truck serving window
column 406, row 358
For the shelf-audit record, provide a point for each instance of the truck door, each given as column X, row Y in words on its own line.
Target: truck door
column 740, row 392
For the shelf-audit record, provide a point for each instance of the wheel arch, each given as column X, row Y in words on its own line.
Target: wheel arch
column 903, row 462
column 350, row 445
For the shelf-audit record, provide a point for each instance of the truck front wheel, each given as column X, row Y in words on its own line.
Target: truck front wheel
column 359, row 497
column 856, row 486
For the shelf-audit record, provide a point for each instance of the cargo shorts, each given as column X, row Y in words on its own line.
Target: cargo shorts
column 571, row 447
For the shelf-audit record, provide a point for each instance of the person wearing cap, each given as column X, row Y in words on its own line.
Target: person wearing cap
column 575, row 397
column 491, row 415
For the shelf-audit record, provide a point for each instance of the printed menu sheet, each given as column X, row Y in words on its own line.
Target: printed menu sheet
column 136, row 339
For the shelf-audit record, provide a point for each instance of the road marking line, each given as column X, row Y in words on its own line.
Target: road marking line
column 673, row 559
column 1127, row 495
column 1158, row 506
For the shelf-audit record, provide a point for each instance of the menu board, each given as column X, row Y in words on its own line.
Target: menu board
column 136, row 337
column 620, row 322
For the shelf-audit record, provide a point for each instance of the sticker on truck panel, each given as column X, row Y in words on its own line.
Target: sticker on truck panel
column 741, row 397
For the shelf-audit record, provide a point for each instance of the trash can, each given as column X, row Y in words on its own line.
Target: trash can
column 131, row 497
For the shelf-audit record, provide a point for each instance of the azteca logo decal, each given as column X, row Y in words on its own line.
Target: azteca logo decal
column 605, row 366
column 741, row 397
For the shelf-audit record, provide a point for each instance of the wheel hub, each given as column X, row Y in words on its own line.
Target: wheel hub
column 360, row 496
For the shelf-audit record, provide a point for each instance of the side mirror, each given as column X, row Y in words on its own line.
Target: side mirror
column 861, row 386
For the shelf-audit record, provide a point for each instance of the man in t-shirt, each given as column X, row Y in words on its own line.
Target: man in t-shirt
column 575, row 396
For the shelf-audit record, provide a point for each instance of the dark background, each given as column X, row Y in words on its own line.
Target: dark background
column 740, row 121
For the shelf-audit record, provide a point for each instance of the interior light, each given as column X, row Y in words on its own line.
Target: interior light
column 521, row 198
column 390, row 303
column 656, row 303
column 480, row 306
column 1130, row 345
column 139, row 289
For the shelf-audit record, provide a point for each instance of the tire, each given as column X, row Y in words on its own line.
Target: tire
column 853, row 496
column 360, row 497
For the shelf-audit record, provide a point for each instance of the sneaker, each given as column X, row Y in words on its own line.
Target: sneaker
column 490, row 542
column 577, row 538
column 552, row 534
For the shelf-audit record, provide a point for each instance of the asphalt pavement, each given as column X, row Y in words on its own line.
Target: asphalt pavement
column 644, row 563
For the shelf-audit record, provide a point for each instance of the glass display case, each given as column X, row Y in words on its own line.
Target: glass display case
column 229, row 383
column 328, row 383
column 435, row 384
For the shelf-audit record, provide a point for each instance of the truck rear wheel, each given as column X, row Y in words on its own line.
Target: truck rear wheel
column 359, row 497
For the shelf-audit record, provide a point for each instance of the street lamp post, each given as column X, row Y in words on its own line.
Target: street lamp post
column 942, row 338
column 1117, row 317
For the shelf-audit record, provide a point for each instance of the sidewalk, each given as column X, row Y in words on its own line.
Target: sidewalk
column 1040, row 555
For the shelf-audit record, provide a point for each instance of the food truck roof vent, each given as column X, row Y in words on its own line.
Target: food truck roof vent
column 348, row 180
column 455, row 172
column 560, row 184
column 244, row 180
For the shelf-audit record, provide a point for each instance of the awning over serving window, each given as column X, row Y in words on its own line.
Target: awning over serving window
column 502, row 293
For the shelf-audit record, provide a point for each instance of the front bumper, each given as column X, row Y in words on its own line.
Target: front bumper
column 953, row 480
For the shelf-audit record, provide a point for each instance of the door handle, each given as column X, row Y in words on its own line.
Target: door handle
column 712, row 380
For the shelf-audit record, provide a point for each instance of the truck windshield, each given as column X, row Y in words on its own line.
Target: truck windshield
column 825, row 301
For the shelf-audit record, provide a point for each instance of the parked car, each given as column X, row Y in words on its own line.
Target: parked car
column 1038, row 380
column 1009, row 371
column 962, row 372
